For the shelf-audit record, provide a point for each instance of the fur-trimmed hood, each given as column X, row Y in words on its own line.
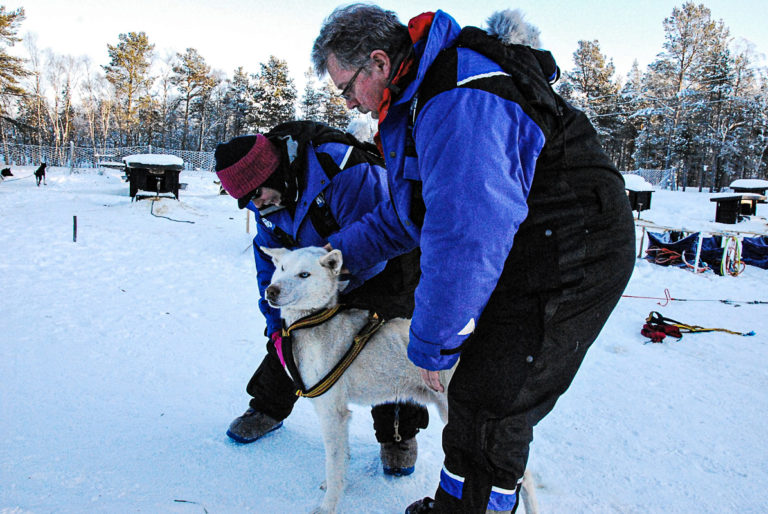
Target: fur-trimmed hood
column 511, row 28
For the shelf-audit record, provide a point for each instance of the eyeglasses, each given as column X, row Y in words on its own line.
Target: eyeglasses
column 346, row 93
column 256, row 194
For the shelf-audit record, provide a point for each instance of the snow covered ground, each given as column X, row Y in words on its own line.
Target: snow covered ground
column 125, row 355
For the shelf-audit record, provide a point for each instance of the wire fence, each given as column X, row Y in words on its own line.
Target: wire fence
column 81, row 157
column 661, row 179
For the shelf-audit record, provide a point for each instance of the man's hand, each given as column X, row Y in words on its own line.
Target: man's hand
column 432, row 379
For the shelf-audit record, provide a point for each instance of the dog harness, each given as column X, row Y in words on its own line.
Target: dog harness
column 657, row 327
column 375, row 322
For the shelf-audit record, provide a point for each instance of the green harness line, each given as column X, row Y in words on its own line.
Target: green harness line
column 375, row 322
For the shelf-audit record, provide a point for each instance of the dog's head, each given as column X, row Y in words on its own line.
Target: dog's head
column 306, row 279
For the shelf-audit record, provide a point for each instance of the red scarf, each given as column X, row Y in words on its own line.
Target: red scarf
column 418, row 28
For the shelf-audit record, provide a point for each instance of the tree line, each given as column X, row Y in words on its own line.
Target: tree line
column 176, row 102
column 699, row 108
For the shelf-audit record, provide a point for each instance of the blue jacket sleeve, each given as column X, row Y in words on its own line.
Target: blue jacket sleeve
column 354, row 193
column 264, row 271
column 378, row 236
column 476, row 158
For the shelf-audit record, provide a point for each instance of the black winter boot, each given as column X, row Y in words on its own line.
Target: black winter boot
column 252, row 425
column 422, row 506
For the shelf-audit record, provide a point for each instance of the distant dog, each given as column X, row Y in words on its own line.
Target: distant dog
column 5, row 172
column 307, row 281
column 40, row 174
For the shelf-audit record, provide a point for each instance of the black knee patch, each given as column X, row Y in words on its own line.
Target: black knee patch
column 394, row 422
column 272, row 389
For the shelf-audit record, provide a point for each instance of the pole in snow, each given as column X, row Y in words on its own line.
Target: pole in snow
column 74, row 229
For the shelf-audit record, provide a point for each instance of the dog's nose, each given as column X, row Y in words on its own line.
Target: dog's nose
column 272, row 292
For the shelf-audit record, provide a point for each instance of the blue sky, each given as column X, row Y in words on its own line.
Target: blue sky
column 230, row 33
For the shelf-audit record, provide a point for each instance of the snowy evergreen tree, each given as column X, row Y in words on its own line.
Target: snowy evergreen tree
column 274, row 96
column 311, row 100
column 11, row 68
column 630, row 100
column 590, row 87
column 192, row 77
column 673, row 85
column 205, row 108
column 128, row 72
column 238, row 104
column 333, row 108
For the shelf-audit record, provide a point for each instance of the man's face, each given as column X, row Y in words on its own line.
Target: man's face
column 367, row 88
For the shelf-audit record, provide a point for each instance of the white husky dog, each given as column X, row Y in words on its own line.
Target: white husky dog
column 305, row 282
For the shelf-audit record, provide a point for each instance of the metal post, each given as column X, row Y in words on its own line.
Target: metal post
column 74, row 229
column 698, row 252
column 71, row 156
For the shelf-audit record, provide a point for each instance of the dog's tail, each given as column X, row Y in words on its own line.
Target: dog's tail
column 528, row 494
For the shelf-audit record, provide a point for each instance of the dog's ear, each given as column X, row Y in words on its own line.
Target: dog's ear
column 332, row 261
column 274, row 253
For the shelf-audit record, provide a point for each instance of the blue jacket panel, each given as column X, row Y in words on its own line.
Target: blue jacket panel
column 350, row 194
column 476, row 158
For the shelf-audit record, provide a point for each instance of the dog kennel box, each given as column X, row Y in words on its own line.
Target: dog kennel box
column 749, row 185
column 732, row 208
column 155, row 173
column 639, row 192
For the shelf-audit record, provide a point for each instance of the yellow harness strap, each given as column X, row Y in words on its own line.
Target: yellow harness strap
column 359, row 342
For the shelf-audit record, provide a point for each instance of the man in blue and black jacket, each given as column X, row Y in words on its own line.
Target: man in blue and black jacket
column 305, row 181
column 526, row 235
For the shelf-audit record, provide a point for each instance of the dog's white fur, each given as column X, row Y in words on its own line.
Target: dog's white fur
column 306, row 281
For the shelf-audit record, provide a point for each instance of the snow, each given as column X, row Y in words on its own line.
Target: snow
column 153, row 159
column 125, row 355
column 745, row 196
column 749, row 183
column 636, row 183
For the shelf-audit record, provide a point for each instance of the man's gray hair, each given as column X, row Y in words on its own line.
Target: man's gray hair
column 352, row 32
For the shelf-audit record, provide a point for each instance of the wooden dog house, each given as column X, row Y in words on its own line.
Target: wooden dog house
column 156, row 173
column 639, row 192
column 733, row 207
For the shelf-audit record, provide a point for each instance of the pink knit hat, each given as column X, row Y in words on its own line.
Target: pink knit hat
column 244, row 163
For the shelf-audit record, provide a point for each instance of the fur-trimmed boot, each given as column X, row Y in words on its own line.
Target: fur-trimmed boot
column 399, row 458
column 396, row 426
column 252, row 425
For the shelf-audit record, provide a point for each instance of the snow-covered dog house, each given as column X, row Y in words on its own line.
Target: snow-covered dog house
column 639, row 192
column 733, row 207
column 749, row 185
column 157, row 173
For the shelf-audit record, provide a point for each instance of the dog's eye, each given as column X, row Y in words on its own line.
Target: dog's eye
column 304, row 274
